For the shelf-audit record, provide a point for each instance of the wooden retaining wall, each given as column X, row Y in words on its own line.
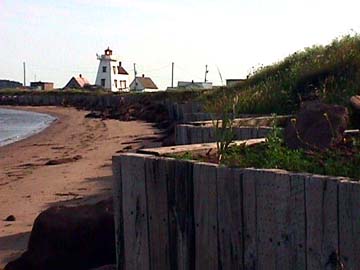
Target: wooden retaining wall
column 191, row 134
column 174, row 214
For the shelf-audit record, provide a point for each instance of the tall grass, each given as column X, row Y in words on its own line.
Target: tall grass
column 329, row 73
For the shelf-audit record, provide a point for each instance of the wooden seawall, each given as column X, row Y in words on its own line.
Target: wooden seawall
column 174, row 214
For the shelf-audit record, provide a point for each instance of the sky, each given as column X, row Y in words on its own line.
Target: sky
column 60, row 39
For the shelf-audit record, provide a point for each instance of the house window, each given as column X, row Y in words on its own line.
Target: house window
column 103, row 82
column 115, row 82
column 122, row 84
column 104, row 68
column 114, row 69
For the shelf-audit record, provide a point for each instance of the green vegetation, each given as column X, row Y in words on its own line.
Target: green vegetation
column 273, row 154
column 330, row 73
column 223, row 122
column 339, row 161
column 183, row 156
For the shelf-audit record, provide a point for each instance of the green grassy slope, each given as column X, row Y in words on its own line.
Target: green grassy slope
column 330, row 73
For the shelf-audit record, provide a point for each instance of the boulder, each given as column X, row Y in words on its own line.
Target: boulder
column 317, row 126
column 355, row 117
column 355, row 103
column 72, row 238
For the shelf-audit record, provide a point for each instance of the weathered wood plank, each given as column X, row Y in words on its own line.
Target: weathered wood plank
column 180, row 134
column 205, row 213
column 206, row 137
column 229, row 199
column 117, row 195
column 254, row 132
column 273, row 211
column 263, row 132
column 181, row 215
column 249, row 220
column 157, row 201
column 136, row 249
column 349, row 224
column 245, row 133
column 322, row 222
column 193, row 147
column 297, row 223
column 196, row 135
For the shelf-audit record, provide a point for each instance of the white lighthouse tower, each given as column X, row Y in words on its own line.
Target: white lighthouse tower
column 111, row 75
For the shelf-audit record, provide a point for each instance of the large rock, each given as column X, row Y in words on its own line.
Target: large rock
column 72, row 238
column 355, row 117
column 317, row 126
column 355, row 103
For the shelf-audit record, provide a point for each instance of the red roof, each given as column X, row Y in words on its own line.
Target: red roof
column 77, row 82
column 81, row 81
column 147, row 82
column 121, row 70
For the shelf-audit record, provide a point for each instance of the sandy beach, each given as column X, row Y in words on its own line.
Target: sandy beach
column 68, row 163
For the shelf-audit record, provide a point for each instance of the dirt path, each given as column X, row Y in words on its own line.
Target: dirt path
column 68, row 163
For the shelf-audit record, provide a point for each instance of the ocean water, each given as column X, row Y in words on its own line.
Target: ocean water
column 17, row 125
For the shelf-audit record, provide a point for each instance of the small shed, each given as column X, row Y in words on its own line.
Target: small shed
column 42, row 85
column 77, row 82
column 194, row 85
column 143, row 84
column 235, row 82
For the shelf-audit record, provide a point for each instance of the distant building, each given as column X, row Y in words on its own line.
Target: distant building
column 234, row 82
column 9, row 84
column 194, row 85
column 77, row 82
column 143, row 84
column 111, row 75
column 42, row 85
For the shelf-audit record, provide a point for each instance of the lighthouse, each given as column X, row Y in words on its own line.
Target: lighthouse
column 111, row 75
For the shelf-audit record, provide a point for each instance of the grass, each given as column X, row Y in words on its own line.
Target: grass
column 342, row 160
column 336, row 161
column 329, row 73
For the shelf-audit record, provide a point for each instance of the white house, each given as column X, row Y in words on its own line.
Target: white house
column 111, row 75
column 194, row 85
column 143, row 84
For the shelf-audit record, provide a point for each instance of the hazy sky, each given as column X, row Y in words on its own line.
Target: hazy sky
column 60, row 39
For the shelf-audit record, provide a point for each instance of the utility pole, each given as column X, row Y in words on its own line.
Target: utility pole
column 206, row 72
column 172, row 75
column 24, row 73
column 135, row 76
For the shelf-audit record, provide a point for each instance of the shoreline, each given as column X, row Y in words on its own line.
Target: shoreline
column 44, row 126
column 29, row 184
